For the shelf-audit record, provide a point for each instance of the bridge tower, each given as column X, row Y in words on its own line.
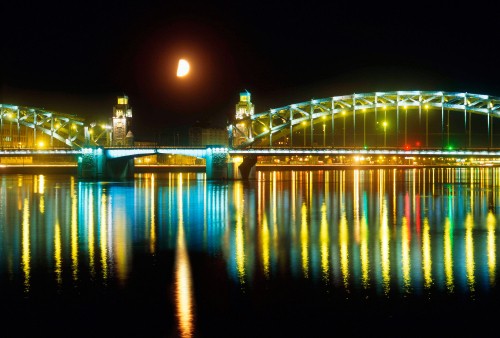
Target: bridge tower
column 242, row 130
column 239, row 133
column 122, row 120
column 95, row 162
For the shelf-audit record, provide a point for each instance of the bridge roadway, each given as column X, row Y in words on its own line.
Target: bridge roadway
column 103, row 163
column 201, row 152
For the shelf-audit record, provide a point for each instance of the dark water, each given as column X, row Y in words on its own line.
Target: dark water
column 293, row 254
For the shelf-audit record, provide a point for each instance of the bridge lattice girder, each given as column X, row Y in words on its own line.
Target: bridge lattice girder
column 63, row 127
column 278, row 122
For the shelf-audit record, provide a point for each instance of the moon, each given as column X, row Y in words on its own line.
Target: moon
column 182, row 68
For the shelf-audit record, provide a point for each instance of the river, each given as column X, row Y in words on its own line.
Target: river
column 383, row 252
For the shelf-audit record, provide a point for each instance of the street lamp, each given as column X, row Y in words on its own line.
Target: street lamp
column 343, row 113
column 324, row 131
column 385, row 132
column 364, row 127
column 385, row 121
column 426, row 125
column 406, row 118
column 324, row 136
column 304, row 124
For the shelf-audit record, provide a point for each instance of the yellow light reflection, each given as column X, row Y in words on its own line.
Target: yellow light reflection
column 356, row 205
column 119, row 246
column 103, row 242
column 405, row 253
column 152, row 233
column 344, row 249
column 41, row 184
column 274, row 239
column 74, row 230
column 382, row 191
column 426, row 254
column 183, row 281
column 492, row 249
column 41, row 191
column 364, row 253
column 57, row 252
column 304, row 240
column 293, row 196
column 448, row 255
column 324, row 239
column 385, row 247
column 469, row 251
column 240, row 234
column 265, row 238
column 26, row 253
column 91, row 234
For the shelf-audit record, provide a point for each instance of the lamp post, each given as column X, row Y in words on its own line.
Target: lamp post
column 324, row 136
column 448, row 128
column 426, row 126
column 364, row 127
column 343, row 113
column 406, row 118
column 385, row 133
column 304, row 124
column 385, row 121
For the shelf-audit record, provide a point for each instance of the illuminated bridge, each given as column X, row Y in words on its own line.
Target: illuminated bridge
column 401, row 124
column 401, row 120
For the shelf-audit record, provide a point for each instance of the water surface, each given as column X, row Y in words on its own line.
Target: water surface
column 294, row 254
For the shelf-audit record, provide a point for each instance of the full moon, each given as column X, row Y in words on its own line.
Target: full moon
column 182, row 68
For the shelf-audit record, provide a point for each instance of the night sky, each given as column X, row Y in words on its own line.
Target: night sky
column 77, row 57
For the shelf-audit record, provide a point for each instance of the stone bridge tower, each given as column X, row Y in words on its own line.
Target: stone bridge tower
column 122, row 120
column 242, row 130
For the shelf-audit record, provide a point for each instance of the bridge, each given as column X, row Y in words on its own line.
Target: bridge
column 399, row 123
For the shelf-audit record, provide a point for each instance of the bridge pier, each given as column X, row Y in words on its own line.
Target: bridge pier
column 220, row 166
column 216, row 160
column 242, row 168
column 95, row 164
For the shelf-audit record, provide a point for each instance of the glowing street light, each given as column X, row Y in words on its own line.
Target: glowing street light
column 364, row 127
column 426, row 125
column 343, row 113
column 406, row 118
column 385, row 132
column 385, row 120
column 304, row 124
column 324, row 136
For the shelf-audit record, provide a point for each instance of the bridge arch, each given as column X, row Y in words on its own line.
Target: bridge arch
column 22, row 127
column 388, row 112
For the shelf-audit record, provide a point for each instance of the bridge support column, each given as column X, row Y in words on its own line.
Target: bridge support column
column 242, row 168
column 216, row 161
column 94, row 164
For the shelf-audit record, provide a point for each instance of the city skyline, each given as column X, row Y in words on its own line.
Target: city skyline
column 80, row 61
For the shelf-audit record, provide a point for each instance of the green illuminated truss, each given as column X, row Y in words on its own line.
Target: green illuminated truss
column 68, row 129
column 279, row 122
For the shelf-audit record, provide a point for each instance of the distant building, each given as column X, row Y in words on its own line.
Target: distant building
column 203, row 136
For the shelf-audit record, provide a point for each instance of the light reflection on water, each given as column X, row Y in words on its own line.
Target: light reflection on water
column 388, row 232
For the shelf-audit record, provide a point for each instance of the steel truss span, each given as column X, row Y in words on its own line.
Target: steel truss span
column 15, row 120
column 381, row 116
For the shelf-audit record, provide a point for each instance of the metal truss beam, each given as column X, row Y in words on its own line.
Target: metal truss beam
column 280, row 121
column 68, row 129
